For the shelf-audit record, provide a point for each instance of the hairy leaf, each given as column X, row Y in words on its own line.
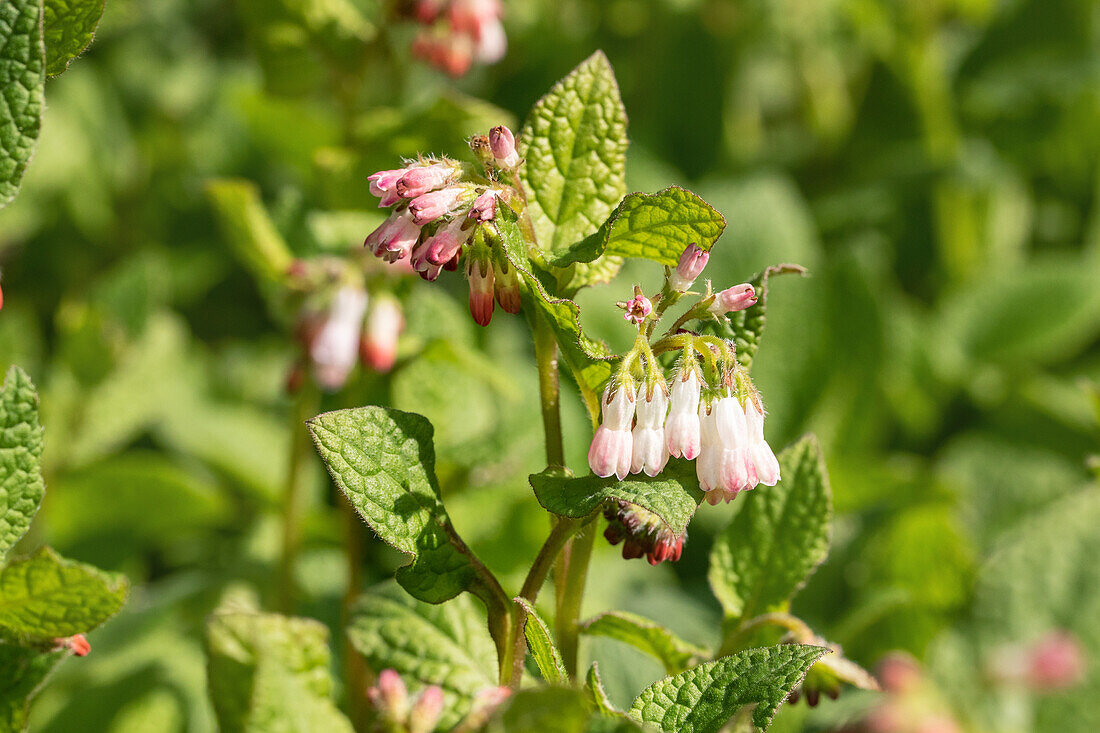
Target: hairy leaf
column 777, row 539
column 655, row 226
column 746, row 328
column 271, row 673
column 594, row 685
column 445, row 645
column 45, row 596
column 649, row 636
column 22, row 76
column 541, row 645
column 22, row 673
column 574, row 144
column 69, row 28
column 673, row 495
column 21, row 485
column 704, row 698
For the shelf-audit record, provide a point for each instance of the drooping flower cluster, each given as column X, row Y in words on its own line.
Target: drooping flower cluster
column 712, row 414
column 457, row 33
column 341, row 323
column 442, row 211
column 642, row 533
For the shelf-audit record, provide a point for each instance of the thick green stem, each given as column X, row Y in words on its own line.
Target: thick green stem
column 536, row 576
column 575, row 560
column 304, row 408
column 546, row 354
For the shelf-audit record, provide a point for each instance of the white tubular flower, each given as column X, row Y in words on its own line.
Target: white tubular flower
column 612, row 445
column 335, row 348
column 707, row 466
column 650, row 453
column 733, row 466
column 760, row 454
column 682, row 426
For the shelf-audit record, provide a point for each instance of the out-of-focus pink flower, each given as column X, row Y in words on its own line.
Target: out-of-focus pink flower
column 427, row 710
column 390, row 696
column 692, row 262
column 76, row 644
column 335, row 348
column 899, row 673
column 737, row 298
column 378, row 349
column 1055, row 662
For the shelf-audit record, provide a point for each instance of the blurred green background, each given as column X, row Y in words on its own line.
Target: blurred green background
column 934, row 164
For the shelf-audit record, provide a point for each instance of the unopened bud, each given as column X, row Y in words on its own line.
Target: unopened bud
column 390, row 695
column 77, row 644
column 503, row 144
column 737, row 298
column 480, row 275
column 507, row 287
column 427, row 711
column 484, row 207
column 692, row 262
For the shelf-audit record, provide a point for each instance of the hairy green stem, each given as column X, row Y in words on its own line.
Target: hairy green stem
column 546, row 355
column 570, row 594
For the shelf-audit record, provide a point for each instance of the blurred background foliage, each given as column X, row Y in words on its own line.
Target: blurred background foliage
column 934, row 164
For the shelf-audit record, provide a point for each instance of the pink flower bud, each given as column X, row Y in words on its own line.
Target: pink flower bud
column 442, row 246
column 430, row 206
column 637, row 308
column 1055, row 662
column 428, row 10
column 737, row 298
column 420, row 180
column 484, row 207
column 503, row 144
column 395, row 238
column 507, row 288
column 427, row 711
column 378, row 348
column 335, row 348
column 480, row 275
column 692, row 262
column 77, row 644
column 384, row 185
column 899, row 673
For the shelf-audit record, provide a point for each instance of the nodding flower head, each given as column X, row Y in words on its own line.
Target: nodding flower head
column 503, row 144
column 642, row 533
column 737, row 298
column 692, row 262
column 445, row 244
column 611, row 451
column 637, row 309
column 760, row 454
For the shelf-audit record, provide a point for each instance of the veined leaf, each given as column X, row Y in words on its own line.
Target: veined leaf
column 446, row 645
column 649, row 636
column 22, row 673
column 777, row 539
column 21, row 485
column 69, row 26
column 541, row 645
column 22, row 76
column 704, row 698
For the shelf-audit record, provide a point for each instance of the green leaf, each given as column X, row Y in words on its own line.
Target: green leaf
column 271, row 673
column 384, row 462
column 541, row 645
column 22, row 673
column 446, row 645
column 69, row 26
column 589, row 361
column 45, row 596
column 594, row 685
column 21, row 485
column 746, row 328
column 777, row 539
column 673, row 495
column 648, row 636
column 22, row 76
column 657, row 226
column 574, row 144
column 704, row 698
column 246, row 224
column 543, row 710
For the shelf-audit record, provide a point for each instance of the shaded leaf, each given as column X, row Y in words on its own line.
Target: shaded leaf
column 22, row 673
column 22, row 76
column 69, row 26
column 649, row 636
column 21, row 485
column 541, row 645
column 594, row 685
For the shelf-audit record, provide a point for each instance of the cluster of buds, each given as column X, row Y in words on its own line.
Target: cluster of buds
column 642, row 533
column 711, row 414
column 457, row 33
column 443, row 211
column 342, row 324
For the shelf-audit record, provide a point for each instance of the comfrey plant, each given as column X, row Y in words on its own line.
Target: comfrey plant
column 677, row 423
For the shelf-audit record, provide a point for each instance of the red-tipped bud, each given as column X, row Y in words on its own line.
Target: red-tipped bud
column 692, row 262
column 737, row 298
column 378, row 348
column 480, row 275
column 642, row 534
column 507, row 287
column 503, row 144
column 77, row 644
